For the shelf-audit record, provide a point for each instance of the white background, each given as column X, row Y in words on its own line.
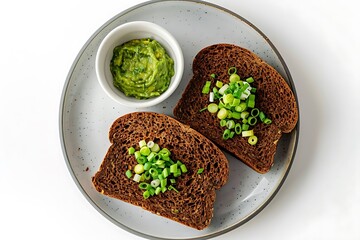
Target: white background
column 318, row 39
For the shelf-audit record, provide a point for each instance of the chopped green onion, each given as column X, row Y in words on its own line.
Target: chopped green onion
column 203, row 109
column 173, row 188
column 221, row 105
column 228, row 98
column 206, row 88
column 213, row 75
column 163, row 183
column 252, row 140
column 230, row 124
column 247, row 133
column 137, row 178
column 131, row 150
column 153, row 172
column 172, row 181
column 146, row 194
column 142, row 143
column 223, row 89
column 249, row 80
column 141, row 160
column 241, row 107
column 226, row 134
column 157, row 190
column 154, row 183
column 142, row 177
column 128, row 174
column 213, row 107
column 183, row 168
column 147, row 166
column 251, row 101
column 165, row 152
column 139, row 168
column 235, row 102
column 219, row 84
column 237, row 128
column 173, row 168
column 151, row 156
column 151, row 191
column 177, row 173
column 222, row 113
column 244, row 114
column 255, row 112
column 147, row 175
column 223, row 122
column 211, row 97
column 150, row 144
column 267, row 121
column 160, row 176
column 236, row 115
column 143, row 185
column 252, row 120
column 262, row 116
column 245, row 127
column 200, row 170
column 234, row 77
column 166, row 172
column 232, row 70
column 137, row 154
column 155, row 148
column 145, row 151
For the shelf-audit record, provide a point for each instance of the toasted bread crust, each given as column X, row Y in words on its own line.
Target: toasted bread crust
column 193, row 206
column 273, row 96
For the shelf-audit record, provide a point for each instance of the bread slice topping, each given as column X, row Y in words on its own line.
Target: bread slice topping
column 273, row 96
column 207, row 169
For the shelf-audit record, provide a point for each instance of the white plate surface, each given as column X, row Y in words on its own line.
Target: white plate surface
column 86, row 114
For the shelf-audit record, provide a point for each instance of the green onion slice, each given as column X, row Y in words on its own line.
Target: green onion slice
column 128, row 174
column 206, row 88
column 255, row 112
column 267, row 121
column 252, row 120
column 219, row 84
column 131, row 150
column 232, row 70
column 237, row 128
column 200, row 170
column 230, row 124
column 213, row 107
column 247, row 133
column 222, row 113
column 226, row 134
column 234, row 77
column 252, row 140
column 223, row 122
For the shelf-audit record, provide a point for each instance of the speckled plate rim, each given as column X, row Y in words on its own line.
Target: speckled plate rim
column 66, row 86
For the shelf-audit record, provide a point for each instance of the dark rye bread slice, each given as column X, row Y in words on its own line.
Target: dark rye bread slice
column 193, row 205
column 273, row 96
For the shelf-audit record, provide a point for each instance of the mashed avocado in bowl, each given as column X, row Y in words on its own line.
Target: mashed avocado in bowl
column 139, row 64
column 141, row 68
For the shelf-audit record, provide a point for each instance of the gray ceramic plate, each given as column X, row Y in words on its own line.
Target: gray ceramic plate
column 86, row 114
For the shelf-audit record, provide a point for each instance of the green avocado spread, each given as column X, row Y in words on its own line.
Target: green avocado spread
column 141, row 68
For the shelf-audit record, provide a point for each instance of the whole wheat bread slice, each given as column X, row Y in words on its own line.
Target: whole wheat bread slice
column 193, row 205
column 273, row 96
